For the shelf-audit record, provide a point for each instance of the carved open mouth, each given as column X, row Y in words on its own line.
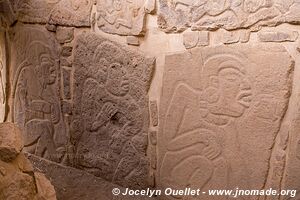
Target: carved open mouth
column 245, row 98
column 125, row 85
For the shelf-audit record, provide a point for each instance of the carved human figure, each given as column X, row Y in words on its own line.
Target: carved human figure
column 36, row 101
column 112, row 121
column 202, row 141
column 117, row 13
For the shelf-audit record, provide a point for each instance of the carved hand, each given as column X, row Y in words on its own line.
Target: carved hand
column 212, row 150
column 108, row 110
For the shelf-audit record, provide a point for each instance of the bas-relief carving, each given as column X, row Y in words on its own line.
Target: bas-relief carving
column 35, row 95
column 123, row 17
column 178, row 15
column 2, row 77
column 111, row 119
column 58, row 12
column 221, row 109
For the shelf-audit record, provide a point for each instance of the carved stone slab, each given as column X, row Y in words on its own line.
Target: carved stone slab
column 3, row 72
column 178, row 15
column 111, row 119
column 36, row 105
column 122, row 17
column 59, row 12
column 221, row 109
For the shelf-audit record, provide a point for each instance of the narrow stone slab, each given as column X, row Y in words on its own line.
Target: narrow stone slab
column 36, row 101
column 278, row 36
column 111, row 117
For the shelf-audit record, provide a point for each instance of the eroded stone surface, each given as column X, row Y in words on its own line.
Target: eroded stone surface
column 59, row 12
column 132, row 40
column 154, row 112
column 64, row 34
column 278, row 36
column 221, row 109
column 122, row 17
column 229, row 37
column 111, row 121
column 190, row 39
column 17, row 179
column 7, row 14
column 10, row 141
column 203, row 38
column 178, row 15
column 69, row 182
column 35, row 81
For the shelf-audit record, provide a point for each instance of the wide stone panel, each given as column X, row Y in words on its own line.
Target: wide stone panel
column 35, row 85
column 58, row 12
column 178, row 15
column 220, row 111
column 111, row 117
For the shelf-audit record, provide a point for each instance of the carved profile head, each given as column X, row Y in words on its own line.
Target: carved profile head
column 41, row 59
column 117, row 82
column 227, row 89
column 115, row 77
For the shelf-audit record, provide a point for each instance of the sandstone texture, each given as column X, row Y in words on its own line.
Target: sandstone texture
column 221, row 115
column 178, row 15
column 17, row 178
column 109, row 130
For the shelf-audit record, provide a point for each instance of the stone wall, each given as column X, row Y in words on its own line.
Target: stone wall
column 157, row 93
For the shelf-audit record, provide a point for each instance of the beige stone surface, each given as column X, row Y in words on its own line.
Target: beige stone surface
column 178, row 15
column 132, row 40
column 35, row 99
column 17, row 179
column 190, row 39
column 64, row 34
column 111, row 118
column 221, row 110
column 11, row 143
column 122, row 17
column 154, row 112
column 60, row 12
column 278, row 36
